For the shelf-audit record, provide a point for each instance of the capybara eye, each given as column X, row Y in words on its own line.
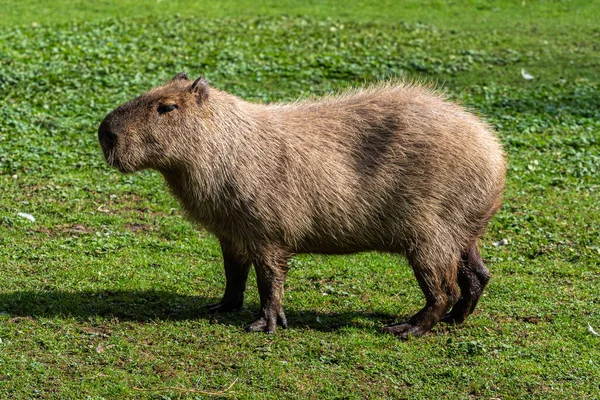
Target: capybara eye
column 165, row 108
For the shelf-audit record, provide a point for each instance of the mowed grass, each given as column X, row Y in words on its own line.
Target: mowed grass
column 102, row 296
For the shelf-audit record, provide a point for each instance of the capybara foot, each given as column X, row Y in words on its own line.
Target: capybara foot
column 404, row 330
column 260, row 325
column 456, row 316
column 224, row 306
column 269, row 323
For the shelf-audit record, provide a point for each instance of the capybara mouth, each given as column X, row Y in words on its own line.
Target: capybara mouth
column 111, row 158
column 115, row 162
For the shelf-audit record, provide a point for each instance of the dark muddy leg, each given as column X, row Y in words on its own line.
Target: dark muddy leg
column 438, row 283
column 473, row 275
column 237, row 268
column 271, row 268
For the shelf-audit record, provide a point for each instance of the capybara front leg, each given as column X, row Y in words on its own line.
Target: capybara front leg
column 271, row 269
column 473, row 275
column 237, row 267
column 438, row 283
column 421, row 322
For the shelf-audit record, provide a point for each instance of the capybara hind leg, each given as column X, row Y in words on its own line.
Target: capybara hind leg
column 237, row 267
column 439, row 288
column 473, row 275
column 271, row 269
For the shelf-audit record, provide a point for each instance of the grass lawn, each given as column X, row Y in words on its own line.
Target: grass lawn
column 102, row 296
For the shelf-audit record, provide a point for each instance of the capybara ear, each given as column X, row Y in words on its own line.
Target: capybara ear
column 200, row 89
column 182, row 76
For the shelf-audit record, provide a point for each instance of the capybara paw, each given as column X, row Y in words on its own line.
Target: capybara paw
column 269, row 323
column 260, row 325
column 457, row 315
column 404, row 330
column 453, row 318
column 223, row 306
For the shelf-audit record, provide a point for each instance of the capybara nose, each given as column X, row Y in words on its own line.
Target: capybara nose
column 105, row 134
column 110, row 135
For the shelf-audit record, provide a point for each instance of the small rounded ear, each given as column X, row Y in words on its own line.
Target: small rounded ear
column 182, row 76
column 200, row 89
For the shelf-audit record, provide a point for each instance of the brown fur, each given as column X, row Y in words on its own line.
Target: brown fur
column 393, row 168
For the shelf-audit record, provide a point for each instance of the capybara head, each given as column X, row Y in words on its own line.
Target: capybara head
column 148, row 131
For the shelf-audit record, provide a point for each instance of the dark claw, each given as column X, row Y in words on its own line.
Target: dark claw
column 282, row 320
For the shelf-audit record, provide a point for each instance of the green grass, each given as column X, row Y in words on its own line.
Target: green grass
column 474, row 14
column 103, row 295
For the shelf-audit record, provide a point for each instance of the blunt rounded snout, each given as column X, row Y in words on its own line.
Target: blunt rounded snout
column 106, row 134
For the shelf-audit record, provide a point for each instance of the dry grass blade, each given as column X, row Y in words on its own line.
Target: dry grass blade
column 185, row 390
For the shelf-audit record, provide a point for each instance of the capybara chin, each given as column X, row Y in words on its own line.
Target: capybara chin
column 393, row 168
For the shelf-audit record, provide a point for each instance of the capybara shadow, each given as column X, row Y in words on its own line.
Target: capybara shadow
column 152, row 306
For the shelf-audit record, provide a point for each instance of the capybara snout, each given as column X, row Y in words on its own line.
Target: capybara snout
column 394, row 168
column 148, row 131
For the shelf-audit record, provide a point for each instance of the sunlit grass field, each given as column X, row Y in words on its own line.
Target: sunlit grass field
column 102, row 295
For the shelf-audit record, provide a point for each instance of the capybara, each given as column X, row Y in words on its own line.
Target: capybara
column 393, row 168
